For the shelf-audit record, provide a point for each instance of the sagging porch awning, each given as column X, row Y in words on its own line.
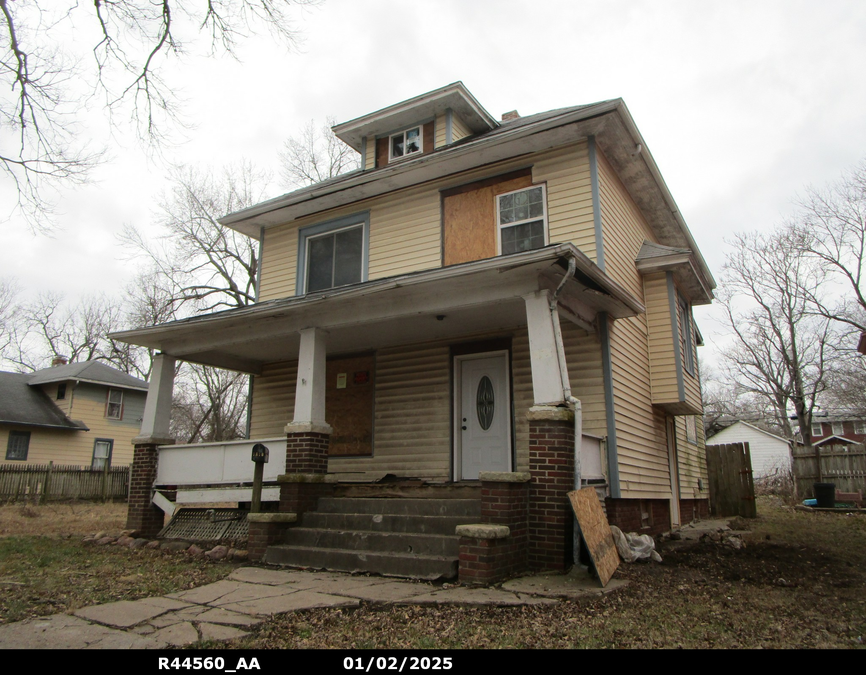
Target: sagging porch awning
column 471, row 298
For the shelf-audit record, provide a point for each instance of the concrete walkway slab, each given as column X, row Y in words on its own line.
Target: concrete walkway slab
column 63, row 631
column 573, row 585
column 127, row 613
column 252, row 592
column 209, row 593
column 258, row 575
column 389, row 591
column 179, row 635
column 291, row 602
column 476, row 596
column 219, row 633
column 225, row 617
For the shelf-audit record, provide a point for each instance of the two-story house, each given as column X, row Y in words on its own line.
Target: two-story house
column 81, row 414
column 477, row 296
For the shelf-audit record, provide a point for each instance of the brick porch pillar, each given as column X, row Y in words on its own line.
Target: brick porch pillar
column 141, row 514
column 551, row 465
column 266, row 529
column 306, row 478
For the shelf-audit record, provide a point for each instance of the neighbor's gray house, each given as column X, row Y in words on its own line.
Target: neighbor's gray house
column 436, row 315
column 82, row 414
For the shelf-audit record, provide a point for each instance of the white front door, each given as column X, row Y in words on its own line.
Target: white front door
column 483, row 414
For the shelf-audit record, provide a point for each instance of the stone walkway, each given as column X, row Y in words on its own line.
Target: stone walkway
column 249, row 595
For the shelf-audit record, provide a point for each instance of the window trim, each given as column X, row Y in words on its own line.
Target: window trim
column 305, row 234
column 838, row 428
column 859, row 427
column 110, row 442
column 500, row 226
column 61, row 392
column 691, row 429
column 108, row 404
column 406, row 155
column 687, row 336
column 820, row 429
column 18, row 434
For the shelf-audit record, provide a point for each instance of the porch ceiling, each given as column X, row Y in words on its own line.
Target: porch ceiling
column 474, row 298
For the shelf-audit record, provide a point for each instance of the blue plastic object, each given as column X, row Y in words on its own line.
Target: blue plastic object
column 810, row 502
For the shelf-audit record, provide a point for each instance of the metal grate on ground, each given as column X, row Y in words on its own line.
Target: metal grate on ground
column 207, row 525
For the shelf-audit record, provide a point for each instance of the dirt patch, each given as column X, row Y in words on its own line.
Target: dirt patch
column 66, row 518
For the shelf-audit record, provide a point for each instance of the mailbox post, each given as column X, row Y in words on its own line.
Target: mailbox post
column 260, row 457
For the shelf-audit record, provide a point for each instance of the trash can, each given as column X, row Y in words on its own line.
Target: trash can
column 825, row 493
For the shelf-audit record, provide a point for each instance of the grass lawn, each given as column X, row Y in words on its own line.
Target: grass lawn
column 799, row 582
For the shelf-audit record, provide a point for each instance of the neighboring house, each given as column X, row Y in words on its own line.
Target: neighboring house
column 845, row 429
column 83, row 414
column 428, row 316
column 770, row 453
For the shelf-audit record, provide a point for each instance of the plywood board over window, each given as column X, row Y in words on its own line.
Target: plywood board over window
column 469, row 216
column 349, row 404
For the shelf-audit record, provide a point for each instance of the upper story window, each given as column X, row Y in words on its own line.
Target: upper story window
column 405, row 143
column 114, row 406
column 521, row 217
column 837, row 428
column 691, row 429
column 860, row 427
column 687, row 337
column 18, row 445
column 333, row 254
column 816, row 429
column 61, row 391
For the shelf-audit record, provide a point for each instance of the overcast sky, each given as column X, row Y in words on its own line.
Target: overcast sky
column 742, row 104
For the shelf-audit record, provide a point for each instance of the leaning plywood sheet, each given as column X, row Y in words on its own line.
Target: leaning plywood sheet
column 596, row 532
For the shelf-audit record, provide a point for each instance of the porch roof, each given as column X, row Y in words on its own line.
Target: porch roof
column 444, row 303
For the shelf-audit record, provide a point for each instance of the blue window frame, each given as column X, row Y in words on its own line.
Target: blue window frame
column 333, row 254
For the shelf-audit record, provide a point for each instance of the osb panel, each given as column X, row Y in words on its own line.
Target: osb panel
column 428, row 142
column 596, row 532
column 350, row 410
column 469, row 221
column 382, row 151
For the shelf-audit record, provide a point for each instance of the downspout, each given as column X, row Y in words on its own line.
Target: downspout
column 573, row 403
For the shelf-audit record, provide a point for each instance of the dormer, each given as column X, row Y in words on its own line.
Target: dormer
column 415, row 127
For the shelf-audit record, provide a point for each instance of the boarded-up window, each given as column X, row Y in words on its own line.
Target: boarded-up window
column 349, row 404
column 469, row 216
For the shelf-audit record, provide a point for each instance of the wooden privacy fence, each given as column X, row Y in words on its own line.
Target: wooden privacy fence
column 732, row 490
column 43, row 482
column 844, row 465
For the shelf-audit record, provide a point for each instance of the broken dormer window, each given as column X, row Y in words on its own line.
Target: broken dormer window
column 406, row 143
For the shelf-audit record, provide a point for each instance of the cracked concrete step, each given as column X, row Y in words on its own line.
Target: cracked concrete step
column 386, row 523
column 398, row 506
column 385, row 542
column 412, row 566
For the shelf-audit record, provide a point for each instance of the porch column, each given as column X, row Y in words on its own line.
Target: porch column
column 142, row 516
column 308, row 436
column 546, row 374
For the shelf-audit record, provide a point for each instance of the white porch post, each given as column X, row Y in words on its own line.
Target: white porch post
column 546, row 376
column 310, row 389
column 157, row 408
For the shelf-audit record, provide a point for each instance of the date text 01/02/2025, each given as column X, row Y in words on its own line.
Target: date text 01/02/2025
column 383, row 663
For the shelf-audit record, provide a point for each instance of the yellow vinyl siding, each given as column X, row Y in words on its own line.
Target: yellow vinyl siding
column 458, row 129
column 370, row 159
column 405, row 226
column 569, row 196
column 692, row 460
column 51, row 445
column 440, row 137
column 273, row 399
column 691, row 382
column 640, row 428
column 663, row 367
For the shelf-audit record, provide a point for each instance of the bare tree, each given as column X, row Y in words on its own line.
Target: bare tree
column 780, row 347
column 8, row 311
column 316, row 155
column 48, row 327
column 210, row 404
column 831, row 230
column 43, row 79
column 203, row 265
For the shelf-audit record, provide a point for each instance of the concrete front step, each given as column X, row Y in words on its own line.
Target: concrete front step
column 377, row 522
column 405, row 507
column 385, row 542
column 389, row 564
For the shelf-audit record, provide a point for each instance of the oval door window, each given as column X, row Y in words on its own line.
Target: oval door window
column 484, row 402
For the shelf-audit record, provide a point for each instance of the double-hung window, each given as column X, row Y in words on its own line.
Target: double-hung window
column 101, row 454
column 18, row 445
column 816, row 430
column 333, row 254
column 114, row 406
column 687, row 338
column 405, row 143
column 521, row 217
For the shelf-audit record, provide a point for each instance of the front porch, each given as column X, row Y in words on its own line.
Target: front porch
column 470, row 380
